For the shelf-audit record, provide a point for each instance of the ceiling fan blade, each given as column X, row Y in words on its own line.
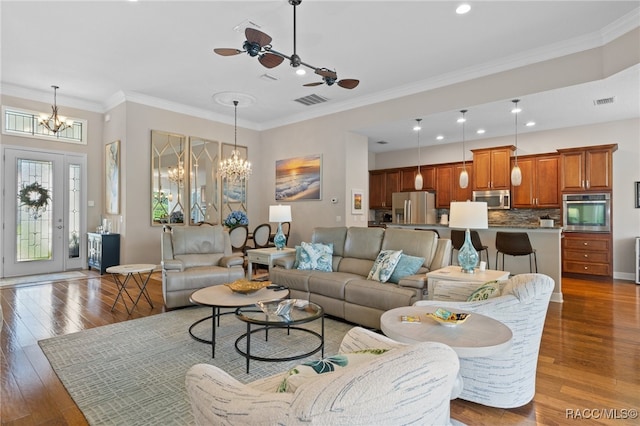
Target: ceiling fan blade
column 326, row 73
column 348, row 83
column 270, row 60
column 227, row 51
column 255, row 36
column 317, row 83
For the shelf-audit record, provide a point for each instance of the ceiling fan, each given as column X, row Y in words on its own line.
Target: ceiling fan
column 259, row 44
column 330, row 78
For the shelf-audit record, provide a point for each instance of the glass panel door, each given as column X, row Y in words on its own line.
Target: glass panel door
column 39, row 206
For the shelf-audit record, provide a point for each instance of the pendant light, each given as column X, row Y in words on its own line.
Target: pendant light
column 464, row 175
column 234, row 168
column 418, row 180
column 55, row 123
column 516, row 173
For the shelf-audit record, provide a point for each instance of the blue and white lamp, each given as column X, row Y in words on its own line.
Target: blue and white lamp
column 467, row 215
column 280, row 214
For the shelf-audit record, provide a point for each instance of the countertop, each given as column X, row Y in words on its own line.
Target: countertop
column 491, row 226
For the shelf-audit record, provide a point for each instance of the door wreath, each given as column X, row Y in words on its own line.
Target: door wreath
column 35, row 197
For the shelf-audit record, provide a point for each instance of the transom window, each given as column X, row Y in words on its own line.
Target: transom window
column 20, row 122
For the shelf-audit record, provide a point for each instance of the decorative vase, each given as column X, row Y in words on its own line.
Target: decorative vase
column 279, row 239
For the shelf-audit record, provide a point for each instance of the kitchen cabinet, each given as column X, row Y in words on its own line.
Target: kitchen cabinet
column 587, row 254
column 587, row 168
column 103, row 251
column 409, row 174
column 492, row 168
column 540, row 187
column 448, row 185
column 382, row 185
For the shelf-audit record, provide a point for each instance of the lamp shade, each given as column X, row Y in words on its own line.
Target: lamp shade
column 279, row 213
column 468, row 215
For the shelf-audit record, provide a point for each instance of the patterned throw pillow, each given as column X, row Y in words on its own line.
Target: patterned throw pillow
column 384, row 265
column 485, row 291
column 315, row 257
column 407, row 265
column 310, row 370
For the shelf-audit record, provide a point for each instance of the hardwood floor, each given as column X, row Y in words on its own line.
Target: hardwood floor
column 589, row 359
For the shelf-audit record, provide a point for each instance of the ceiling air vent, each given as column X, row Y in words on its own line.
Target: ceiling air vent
column 311, row 100
column 604, row 101
column 382, row 142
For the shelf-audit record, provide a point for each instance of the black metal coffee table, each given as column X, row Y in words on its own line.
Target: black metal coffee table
column 298, row 315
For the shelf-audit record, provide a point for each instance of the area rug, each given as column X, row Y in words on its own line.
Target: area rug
column 133, row 372
column 37, row 279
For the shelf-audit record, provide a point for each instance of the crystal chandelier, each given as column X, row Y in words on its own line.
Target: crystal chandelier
column 176, row 174
column 235, row 168
column 55, row 123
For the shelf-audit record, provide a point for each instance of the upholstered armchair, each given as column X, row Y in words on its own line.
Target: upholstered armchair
column 507, row 380
column 196, row 257
column 409, row 384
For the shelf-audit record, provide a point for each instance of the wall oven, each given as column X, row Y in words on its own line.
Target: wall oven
column 587, row 212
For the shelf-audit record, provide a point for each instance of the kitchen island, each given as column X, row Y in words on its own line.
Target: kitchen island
column 546, row 241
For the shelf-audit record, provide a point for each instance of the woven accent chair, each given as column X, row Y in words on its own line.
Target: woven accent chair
column 507, row 380
column 409, row 384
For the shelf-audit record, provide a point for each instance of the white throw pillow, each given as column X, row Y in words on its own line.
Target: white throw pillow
column 384, row 265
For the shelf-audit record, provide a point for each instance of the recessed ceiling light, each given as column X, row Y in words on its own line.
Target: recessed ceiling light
column 301, row 71
column 461, row 120
column 416, row 128
column 439, row 137
column 463, row 8
column 530, row 123
column 480, row 131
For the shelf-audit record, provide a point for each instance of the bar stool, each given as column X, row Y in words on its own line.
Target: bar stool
column 457, row 240
column 515, row 244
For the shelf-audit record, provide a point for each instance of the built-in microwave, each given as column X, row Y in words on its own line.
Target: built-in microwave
column 586, row 212
column 497, row 199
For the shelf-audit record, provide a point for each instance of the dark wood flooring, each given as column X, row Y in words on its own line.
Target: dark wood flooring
column 589, row 361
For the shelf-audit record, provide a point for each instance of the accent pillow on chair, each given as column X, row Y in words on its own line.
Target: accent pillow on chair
column 485, row 291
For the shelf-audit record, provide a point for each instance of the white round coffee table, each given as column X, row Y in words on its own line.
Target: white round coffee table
column 478, row 336
column 221, row 296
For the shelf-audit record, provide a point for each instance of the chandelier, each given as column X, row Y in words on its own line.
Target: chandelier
column 54, row 122
column 176, row 174
column 235, row 168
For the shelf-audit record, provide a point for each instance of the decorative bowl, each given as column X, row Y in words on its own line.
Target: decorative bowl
column 448, row 318
column 244, row 286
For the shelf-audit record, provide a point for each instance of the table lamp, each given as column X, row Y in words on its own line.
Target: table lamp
column 279, row 214
column 466, row 215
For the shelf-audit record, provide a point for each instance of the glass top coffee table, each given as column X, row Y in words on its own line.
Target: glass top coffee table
column 221, row 296
column 300, row 313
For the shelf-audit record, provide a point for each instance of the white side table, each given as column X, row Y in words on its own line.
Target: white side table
column 478, row 336
column 135, row 272
column 266, row 256
column 454, row 273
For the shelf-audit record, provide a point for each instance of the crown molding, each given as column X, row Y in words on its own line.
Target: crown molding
column 47, row 97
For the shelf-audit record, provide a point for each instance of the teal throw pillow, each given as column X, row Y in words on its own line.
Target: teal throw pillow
column 315, row 257
column 384, row 265
column 407, row 265
column 310, row 370
column 485, row 291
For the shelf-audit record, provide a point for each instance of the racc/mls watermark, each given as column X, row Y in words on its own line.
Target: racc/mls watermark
column 601, row 413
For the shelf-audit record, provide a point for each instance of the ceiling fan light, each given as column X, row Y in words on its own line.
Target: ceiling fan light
column 516, row 176
column 464, row 179
column 418, row 182
column 301, row 71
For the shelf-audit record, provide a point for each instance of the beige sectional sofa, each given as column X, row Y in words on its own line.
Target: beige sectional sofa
column 345, row 292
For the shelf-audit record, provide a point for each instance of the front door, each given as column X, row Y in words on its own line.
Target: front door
column 43, row 217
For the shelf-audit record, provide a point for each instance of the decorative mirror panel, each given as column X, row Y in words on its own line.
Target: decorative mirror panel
column 204, row 187
column 234, row 194
column 168, row 178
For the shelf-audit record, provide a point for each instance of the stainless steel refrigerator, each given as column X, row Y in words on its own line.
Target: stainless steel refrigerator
column 414, row 208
